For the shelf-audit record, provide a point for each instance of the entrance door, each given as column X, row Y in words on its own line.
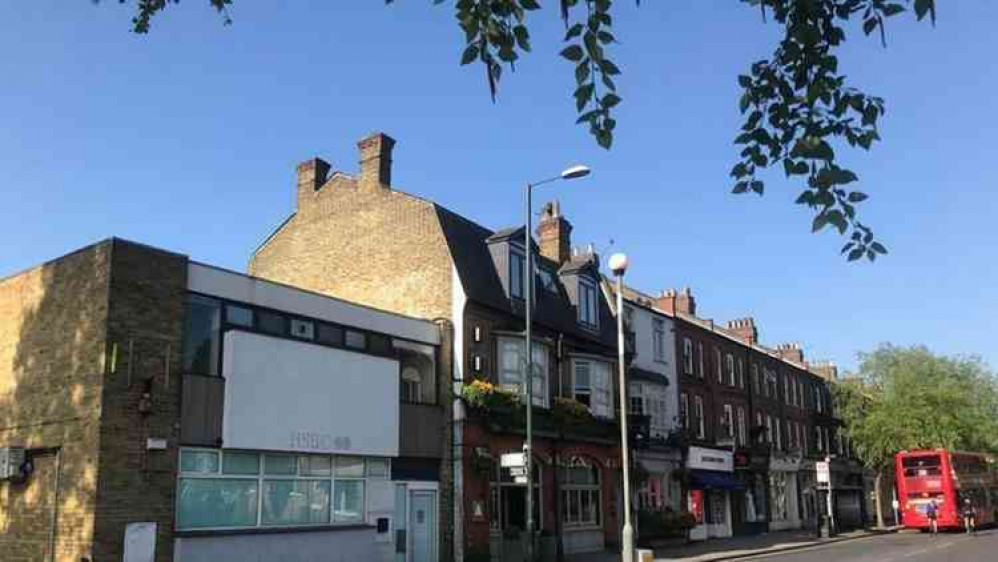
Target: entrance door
column 423, row 525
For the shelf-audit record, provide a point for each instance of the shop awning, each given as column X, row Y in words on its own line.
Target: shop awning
column 713, row 480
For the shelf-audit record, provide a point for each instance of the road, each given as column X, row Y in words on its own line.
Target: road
column 900, row 547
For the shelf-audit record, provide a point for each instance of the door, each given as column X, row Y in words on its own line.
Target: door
column 423, row 525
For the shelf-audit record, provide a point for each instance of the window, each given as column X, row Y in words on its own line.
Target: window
column 769, row 429
column 755, row 379
column 729, row 362
column 202, row 336
column 512, row 366
column 330, row 335
column 818, row 440
column 698, row 414
column 688, row 356
column 272, row 323
column 580, row 494
column 790, row 435
column 702, row 369
column 517, row 265
column 547, row 280
column 418, row 372
column 658, row 329
column 304, row 329
column 412, row 390
column 800, row 390
column 234, row 489
column 588, row 304
column 593, row 386
column 742, row 435
column 635, row 399
column 786, row 388
column 729, row 420
column 817, row 399
column 741, row 373
column 239, row 315
column 356, row 340
column 759, row 425
column 793, row 391
column 684, row 410
column 717, row 365
column 778, row 440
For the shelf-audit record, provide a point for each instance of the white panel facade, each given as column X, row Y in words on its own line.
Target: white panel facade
column 284, row 395
column 238, row 287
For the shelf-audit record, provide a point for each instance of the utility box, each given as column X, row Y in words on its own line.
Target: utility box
column 11, row 459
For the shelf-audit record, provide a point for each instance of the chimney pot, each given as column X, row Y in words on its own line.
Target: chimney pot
column 376, row 161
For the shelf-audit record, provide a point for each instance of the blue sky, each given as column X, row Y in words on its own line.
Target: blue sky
column 188, row 138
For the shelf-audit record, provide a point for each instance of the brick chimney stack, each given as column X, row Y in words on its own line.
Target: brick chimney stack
column 555, row 234
column 312, row 175
column 376, row 161
column 791, row 352
column 677, row 302
column 827, row 370
column 745, row 329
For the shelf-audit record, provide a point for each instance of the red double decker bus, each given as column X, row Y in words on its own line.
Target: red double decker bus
column 948, row 478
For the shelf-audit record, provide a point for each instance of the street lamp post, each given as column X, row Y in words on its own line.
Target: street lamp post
column 528, row 378
column 618, row 264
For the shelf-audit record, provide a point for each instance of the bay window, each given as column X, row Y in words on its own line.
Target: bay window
column 512, row 365
column 593, row 387
column 235, row 489
column 581, row 501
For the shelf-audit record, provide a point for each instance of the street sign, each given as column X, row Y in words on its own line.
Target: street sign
column 824, row 473
column 511, row 460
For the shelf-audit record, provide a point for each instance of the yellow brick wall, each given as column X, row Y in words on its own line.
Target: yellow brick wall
column 52, row 341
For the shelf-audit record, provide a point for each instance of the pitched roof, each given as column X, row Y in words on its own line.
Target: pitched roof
column 469, row 248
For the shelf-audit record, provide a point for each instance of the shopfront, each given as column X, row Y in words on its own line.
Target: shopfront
column 784, row 510
column 711, row 483
column 751, row 500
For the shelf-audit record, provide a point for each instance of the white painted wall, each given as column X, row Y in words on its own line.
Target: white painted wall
column 645, row 357
column 340, row 545
column 293, row 396
column 236, row 286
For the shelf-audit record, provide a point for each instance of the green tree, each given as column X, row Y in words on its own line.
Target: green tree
column 909, row 398
column 798, row 107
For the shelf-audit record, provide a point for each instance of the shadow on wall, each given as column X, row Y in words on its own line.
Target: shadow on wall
column 52, row 343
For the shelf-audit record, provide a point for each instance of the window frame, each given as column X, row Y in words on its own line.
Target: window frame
column 540, row 399
column 590, row 489
column 658, row 339
column 698, row 411
column 588, row 306
column 601, row 410
column 687, row 356
column 517, row 260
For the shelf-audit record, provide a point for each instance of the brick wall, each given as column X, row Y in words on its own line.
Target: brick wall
column 52, row 343
column 141, row 397
column 370, row 245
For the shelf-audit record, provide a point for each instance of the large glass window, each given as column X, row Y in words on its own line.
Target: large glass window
column 684, row 410
column 593, row 386
column 588, row 303
column 688, row 356
column 202, row 335
column 512, row 366
column 649, row 399
column 233, row 489
column 581, row 503
column 698, row 414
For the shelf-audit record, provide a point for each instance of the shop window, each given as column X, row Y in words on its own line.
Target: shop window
column 754, row 506
column 580, row 494
column 227, row 489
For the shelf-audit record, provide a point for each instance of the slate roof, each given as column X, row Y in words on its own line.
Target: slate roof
column 469, row 247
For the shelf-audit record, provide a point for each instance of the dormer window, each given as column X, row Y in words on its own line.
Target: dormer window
column 588, row 303
column 517, row 265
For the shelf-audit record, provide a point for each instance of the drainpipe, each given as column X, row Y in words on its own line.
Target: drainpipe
column 54, row 519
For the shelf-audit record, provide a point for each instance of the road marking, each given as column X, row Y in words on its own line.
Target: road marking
column 917, row 552
column 944, row 545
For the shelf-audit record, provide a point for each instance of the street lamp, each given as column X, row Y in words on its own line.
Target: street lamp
column 528, row 278
column 618, row 265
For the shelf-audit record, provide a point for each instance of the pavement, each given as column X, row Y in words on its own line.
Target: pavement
column 883, row 545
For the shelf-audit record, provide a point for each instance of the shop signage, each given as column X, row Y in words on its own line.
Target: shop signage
column 824, row 473
column 510, row 460
column 709, row 459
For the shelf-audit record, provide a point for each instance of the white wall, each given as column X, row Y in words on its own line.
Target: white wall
column 236, row 286
column 314, row 546
column 645, row 357
column 293, row 396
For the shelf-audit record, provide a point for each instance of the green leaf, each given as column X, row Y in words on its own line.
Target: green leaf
column 470, row 54
column 878, row 247
column 819, row 222
column 529, row 4
column 582, row 72
column 572, row 53
column 582, row 95
column 869, row 25
column 608, row 68
column 856, row 254
column 610, row 100
column 522, row 37
column 573, row 31
column 856, row 197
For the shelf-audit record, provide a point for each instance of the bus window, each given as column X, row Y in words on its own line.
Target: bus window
column 921, row 466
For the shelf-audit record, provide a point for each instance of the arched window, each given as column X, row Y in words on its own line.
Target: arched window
column 411, row 385
column 581, row 500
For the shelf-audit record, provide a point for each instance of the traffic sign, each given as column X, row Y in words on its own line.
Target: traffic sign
column 510, row 460
column 824, row 472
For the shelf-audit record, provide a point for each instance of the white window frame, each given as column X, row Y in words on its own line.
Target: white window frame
column 742, row 435
column 684, row 410
column 729, row 364
column 729, row 420
column 519, row 256
column 717, row 365
column 588, row 308
column 658, row 339
column 513, row 380
column 688, row 356
column 600, row 385
column 703, row 368
column 590, row 489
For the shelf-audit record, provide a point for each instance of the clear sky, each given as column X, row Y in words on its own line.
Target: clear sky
column 188, row 138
